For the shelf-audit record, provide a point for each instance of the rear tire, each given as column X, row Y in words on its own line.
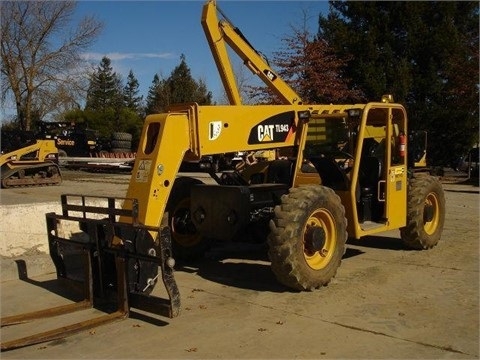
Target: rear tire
column 425, row 213
column 307, row 238
column 187, row 243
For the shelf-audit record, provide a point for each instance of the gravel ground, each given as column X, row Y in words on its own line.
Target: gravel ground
column 385, row 303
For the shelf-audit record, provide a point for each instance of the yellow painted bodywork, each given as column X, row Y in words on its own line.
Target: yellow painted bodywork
column 392, row 189
column 188, row 129
column 166, row 138
column 221, row 33
column 192, row 131
column 39, row 152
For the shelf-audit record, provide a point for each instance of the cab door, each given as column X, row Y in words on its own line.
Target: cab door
column 394, row 189
column 382, row 173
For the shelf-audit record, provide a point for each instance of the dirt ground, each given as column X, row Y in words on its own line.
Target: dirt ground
column 385, row 303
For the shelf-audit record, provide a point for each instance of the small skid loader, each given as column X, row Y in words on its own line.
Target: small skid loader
column 339, row 171
column 31, row 165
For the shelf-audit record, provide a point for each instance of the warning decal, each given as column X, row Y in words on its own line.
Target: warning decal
column 214, row 130
column 143, row 171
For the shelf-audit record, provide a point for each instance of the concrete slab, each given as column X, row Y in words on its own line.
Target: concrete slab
column 23, row 232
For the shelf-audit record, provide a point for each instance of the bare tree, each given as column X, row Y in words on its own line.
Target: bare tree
column 40, row 54
column 244, row 78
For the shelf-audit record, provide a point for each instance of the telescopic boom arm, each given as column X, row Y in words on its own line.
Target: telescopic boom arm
column 220, row 33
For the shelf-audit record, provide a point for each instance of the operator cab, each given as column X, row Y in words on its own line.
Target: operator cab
column 361, row 154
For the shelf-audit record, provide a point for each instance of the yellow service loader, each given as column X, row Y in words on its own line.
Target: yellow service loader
column 339, row 171
column 34, row 164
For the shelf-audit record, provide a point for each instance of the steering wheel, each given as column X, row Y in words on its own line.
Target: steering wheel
column 340, row 154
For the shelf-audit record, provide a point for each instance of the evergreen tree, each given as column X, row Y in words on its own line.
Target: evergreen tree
column 152, row 95
column 424, row 53
column 130, row 94
column 179, row 87
column 181, row 84
column 105, row 88
column 112, row 107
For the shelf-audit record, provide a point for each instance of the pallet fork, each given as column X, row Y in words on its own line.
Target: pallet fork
column 119, row 274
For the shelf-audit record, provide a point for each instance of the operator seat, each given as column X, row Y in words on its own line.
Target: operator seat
column 370, row 172
column 369, row 175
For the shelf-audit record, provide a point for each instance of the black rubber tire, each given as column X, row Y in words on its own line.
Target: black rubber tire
column 122, row 144
column 62, row 154
column 292, row 263
column 419, row 233
column 122, row 136
column 187, row 243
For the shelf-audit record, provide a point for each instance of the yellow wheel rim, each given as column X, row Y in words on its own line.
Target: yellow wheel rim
column 431, row 226
column 183, row 230
column 322, row 222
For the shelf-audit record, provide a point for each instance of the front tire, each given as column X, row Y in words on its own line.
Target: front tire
column 187, row 243
column 307, row 238
column 425, row 213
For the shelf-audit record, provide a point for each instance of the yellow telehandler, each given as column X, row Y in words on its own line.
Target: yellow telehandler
column 338, row 171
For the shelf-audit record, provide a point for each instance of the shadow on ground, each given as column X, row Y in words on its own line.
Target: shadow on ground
column 247, row 266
